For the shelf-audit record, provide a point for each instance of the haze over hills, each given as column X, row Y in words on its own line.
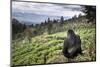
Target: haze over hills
column 35, row 13
column 31, row 18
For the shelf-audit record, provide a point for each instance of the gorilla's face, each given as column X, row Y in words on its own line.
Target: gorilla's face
column 70, row 33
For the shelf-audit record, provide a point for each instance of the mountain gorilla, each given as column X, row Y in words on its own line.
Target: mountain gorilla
column 72, row 44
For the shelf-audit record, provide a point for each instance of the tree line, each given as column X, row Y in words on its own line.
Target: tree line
column 55, row 25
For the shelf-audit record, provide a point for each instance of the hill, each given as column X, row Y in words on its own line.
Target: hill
column 47, row 48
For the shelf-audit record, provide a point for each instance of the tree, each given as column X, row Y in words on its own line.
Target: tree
column 49, row 28
column 24, row 26
column 32, row 25
column 49, row 20
column 55, row 21
column 62, row 19
column 74, row 18
column 90, row 13
column 80, row 15
column 17, row 27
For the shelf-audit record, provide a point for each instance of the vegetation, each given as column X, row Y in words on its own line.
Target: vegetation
column 45, row 44
column 47, row 48
column 90, row 13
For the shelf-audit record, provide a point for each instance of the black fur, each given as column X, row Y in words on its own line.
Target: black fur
column 72, row 45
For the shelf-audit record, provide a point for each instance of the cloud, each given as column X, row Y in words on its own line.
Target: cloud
column 46, row 9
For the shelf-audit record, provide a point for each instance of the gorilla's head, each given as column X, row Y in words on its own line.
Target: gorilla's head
column 70, row 33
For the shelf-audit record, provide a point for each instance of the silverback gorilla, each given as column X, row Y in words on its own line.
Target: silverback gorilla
column 72, row 44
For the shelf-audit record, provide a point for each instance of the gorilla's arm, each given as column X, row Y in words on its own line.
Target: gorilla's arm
column 76, row 47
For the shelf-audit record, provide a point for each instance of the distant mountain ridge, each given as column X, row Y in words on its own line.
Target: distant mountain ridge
column 31, row 18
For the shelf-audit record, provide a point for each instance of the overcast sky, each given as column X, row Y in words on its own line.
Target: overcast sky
column 30, row 10
column 46, row 9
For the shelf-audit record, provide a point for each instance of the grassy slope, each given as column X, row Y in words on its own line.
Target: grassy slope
column 48, row 48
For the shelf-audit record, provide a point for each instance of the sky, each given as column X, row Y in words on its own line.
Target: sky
column 38, row 12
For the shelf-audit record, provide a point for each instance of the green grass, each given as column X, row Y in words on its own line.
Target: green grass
column 47, row 48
